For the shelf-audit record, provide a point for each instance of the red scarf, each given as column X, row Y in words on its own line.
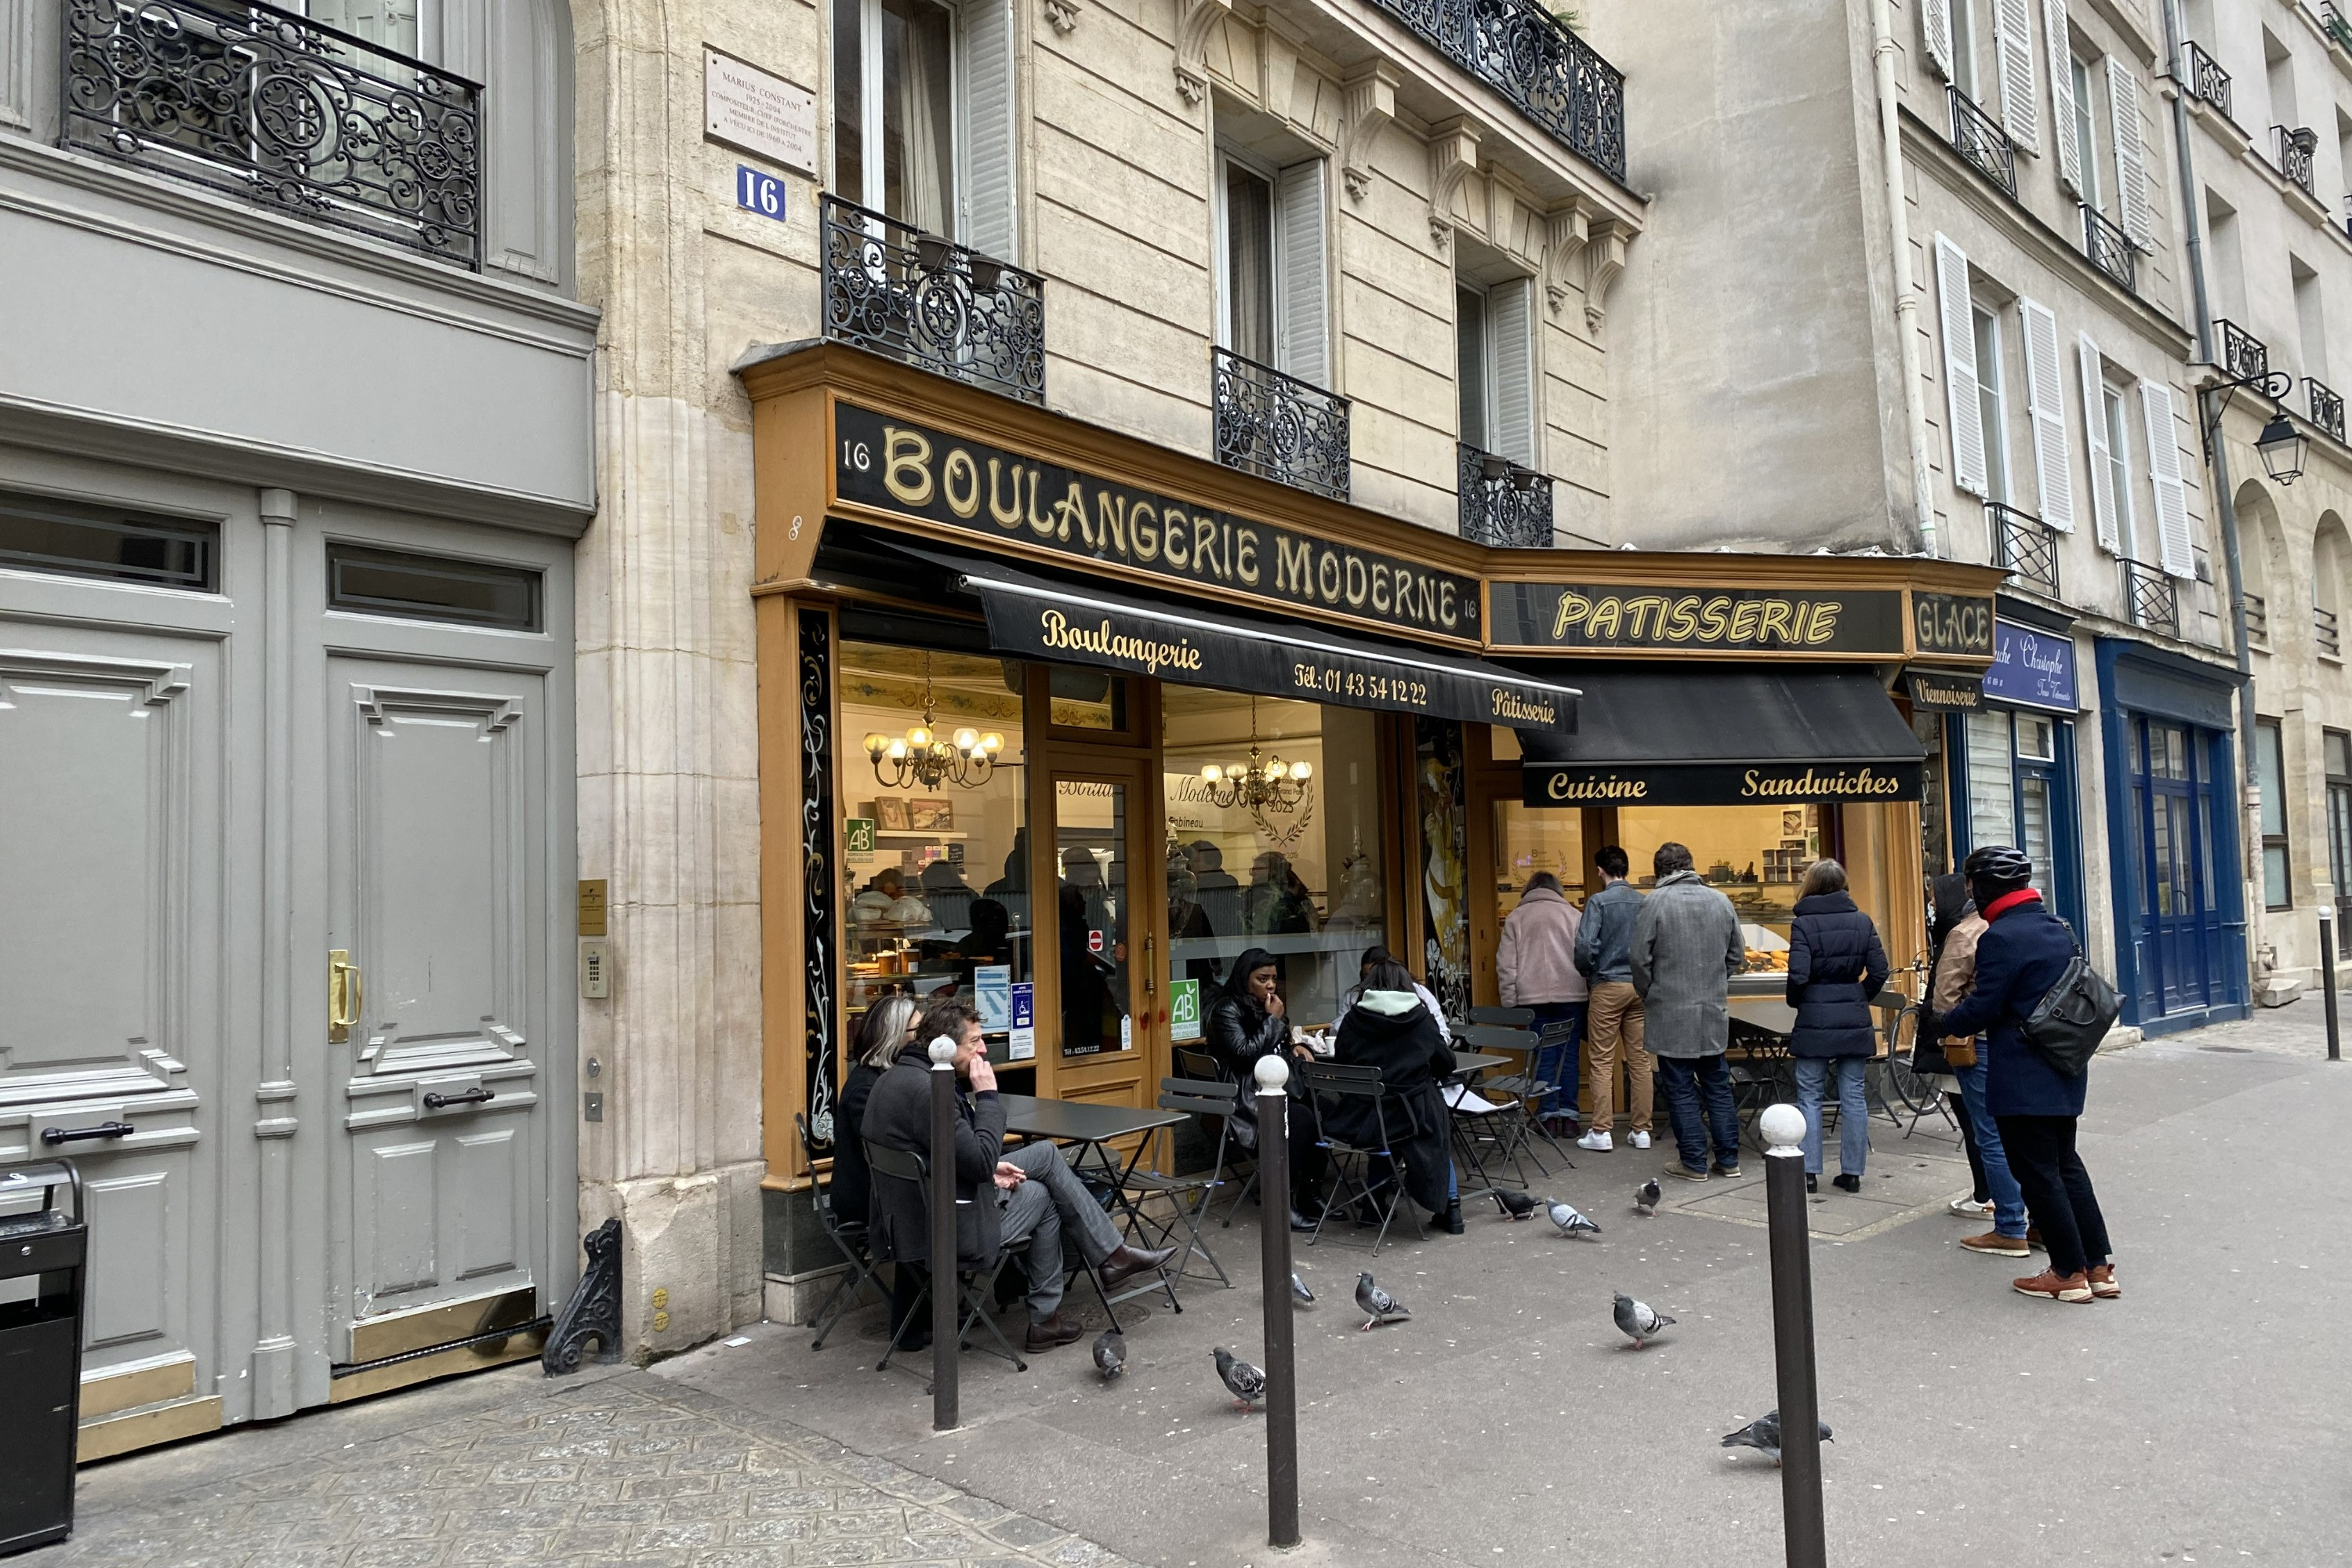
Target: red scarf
column 2008, row 901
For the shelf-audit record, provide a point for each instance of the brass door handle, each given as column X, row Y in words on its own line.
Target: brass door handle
column 344, row 992
column 1151, row 970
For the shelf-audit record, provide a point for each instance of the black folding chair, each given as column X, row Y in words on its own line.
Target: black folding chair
column 1201, row 1099
column 850, row 1238
column 1512, row 1126
column 1196, row 1064
column 973, row 1288
column 1351, row 1163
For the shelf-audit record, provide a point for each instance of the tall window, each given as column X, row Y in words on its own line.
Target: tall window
column 1270, row 251
column 2118, row 423
column 387, row 23
column 2339, row 824
column 1964, row 48
column 2086, row 134
column 1993, row 785
column 2269, row 760
column 1249, row 262
column 893, row 123
column 1992, row 402
column 2310, row 319
column 1494, row 349
column 1472, row 368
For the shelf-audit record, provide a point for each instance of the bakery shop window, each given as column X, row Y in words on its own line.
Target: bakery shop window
column 1753, row 855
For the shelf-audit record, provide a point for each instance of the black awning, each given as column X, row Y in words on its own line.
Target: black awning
column 1067, row 621
column 1653, row 736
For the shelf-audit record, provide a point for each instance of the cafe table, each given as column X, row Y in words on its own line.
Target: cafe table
column 1088, row 1129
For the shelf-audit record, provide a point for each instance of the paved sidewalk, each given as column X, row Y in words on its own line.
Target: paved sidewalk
column 616, row 1466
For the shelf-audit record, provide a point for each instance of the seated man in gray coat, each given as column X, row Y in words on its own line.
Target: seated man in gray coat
column 1687, row 948
column 1004, row 1199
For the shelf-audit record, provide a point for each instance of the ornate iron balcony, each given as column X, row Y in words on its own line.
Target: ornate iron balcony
column 2109, row 249
column 2206, row 80
column 2258, row 620
column 1503, row 503
column 932, row 303
column 1546, row 72
column 2293, row 149
column 2327, row 407
column 2331, row 20
column 1978, row 139
column 2025, row 545
column 2328, row 630
column 2243, row 355
column 2150, row 599
column 267, row 105
column 1278, row 427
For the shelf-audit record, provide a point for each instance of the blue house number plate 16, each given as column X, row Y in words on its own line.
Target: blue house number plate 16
column 759, row 193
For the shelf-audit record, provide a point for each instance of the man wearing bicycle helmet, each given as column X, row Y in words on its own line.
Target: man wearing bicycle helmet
column 1955, row 976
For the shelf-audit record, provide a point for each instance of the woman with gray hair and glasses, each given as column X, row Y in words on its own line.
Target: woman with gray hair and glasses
column 885, row 1030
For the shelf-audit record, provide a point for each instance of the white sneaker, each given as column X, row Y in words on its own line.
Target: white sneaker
column 1969, row 1208
column 1638, row 1140
column 1596, row 1140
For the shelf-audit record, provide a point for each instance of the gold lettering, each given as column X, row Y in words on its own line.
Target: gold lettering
column 1359, row 583
column 1007, row 517
column 1711, row 619
column 1776, row 619
column 1177, row 541
column 1110, row 520
column 1825, row 616
column 1293, row 563
column 1381, row 588
column 1573, row 610
column 1327, row 576
column 1448, row 610
column 1204, row 547
column 1682, row 620
column 1146, row 533
column 959, row 463
column 907, row 453
column 1638, row 609
column 1071, row 506
column 1245, row 557
column 1744, row 619
column 1603, row 623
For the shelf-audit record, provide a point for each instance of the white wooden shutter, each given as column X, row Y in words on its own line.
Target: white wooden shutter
column 2095, row 430
column 2176, row 549
column 2045, row 396
column 990, row 219
column 2062, row 95
column 1302, row 319
column 1510, row 328
column 1935, row 34
column 2131, row 160
column 387, row 23
column 2021, row 111
column 1960, row 368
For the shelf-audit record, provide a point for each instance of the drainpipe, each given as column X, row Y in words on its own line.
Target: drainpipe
column 1883, row 54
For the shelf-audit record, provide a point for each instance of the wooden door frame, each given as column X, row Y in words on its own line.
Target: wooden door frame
column 1134, row 762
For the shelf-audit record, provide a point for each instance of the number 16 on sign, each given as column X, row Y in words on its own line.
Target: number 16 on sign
column 759, row 193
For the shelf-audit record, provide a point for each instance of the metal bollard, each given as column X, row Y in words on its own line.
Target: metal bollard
column 1281, row 1357
column 2327, row 978
column 1783, row 1127
column 945, row 1294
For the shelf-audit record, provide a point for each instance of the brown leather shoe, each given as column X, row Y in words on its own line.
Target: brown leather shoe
column 2102, row 1283
column 2000, row 1246
column 2053, row 1286
column 1129, row 1261
column 1058, row 1330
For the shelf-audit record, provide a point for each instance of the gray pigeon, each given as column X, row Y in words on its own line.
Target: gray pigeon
column 1299, row 1291
column 1638, row 1321
column 1247, row 1382
column 1110, row 1353
column 1378, row 1304
column 1646, row 1198
column 1514, row 1205
column 1765, row 1434
column 1565, row 1216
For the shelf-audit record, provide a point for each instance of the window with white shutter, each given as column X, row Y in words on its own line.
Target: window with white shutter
column 991, row 140
column 2046, row 402
column 2095, row 436
column 1936, row 34
column 2064, row 133
column 1959, row 322
column 1510, row 327
column 2131, row 158
column 1301, row 318
column 2021, row 109
column 2176, row 550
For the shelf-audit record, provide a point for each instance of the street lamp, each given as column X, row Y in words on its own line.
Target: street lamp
column 2282, row 449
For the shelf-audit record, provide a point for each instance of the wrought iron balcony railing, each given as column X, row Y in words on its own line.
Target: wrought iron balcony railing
column 1503, row 503
column 1977, row 137
column 932, row 303
column 2206, row 80
column 1545, row 71
column 2294, row 149
column 2150, row 598
column 2331, row 21
column 2327, row 405
column 2326, row 626
column 2243, row 355
column 1278, row 427
column 2025, row 545
column 267, row 105
column 2109, row 249
column 2258, row 620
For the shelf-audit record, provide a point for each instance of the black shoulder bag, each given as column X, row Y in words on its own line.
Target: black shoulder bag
column 2074, row 1015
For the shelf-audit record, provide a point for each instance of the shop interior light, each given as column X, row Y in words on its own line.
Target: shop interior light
column 2282, row 451
column 922, row 760
column 1256, row 783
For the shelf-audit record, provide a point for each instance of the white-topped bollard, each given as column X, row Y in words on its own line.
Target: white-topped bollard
column 1783, row 1130
column 1783, row 1127
column 1273, row 1074
column 946, row 1291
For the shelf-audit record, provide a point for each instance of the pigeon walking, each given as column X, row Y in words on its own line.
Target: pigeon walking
column 1247, row 1382
column 1764, row 1433
column 1110, row 1353
column 1298, row 1290
column 1570, row 1221
column 1378, row 1304
column 1514, row 1205
column 1638, row 1321
column 1646, row 1198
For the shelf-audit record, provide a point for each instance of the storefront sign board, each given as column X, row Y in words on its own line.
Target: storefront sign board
column 1717, row 783
column 2031, row 668
column 1955, row 626
column 1944, row 692
column 1689, row 617
column 911, row 470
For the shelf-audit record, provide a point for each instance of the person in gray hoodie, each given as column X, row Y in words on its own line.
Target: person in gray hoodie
column 1686, row 947
column 1612, row 1010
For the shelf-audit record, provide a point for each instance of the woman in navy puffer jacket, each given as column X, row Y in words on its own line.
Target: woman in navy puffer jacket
column 1836, row 965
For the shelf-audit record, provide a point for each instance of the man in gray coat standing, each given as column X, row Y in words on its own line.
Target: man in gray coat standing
column 1686, row 947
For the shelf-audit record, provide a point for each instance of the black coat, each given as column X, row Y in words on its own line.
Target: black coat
column 1239, row 1033
column 2020, row 957
column 852, row 1182
column 1835, row 966
column 898, row 1115
column 1413, row 1060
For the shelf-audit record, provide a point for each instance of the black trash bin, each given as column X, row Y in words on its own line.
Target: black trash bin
column 43, row 1252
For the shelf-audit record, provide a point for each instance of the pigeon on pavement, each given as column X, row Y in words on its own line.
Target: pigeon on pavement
column 1764, row 1433
column 1514, row 1205
column 1638, row 1321
column 1565, row 1216
column 1646, row 1198
column 1378, row 1304
column 1110, row 1353
column 1247, row 1383
column 1299, row 1291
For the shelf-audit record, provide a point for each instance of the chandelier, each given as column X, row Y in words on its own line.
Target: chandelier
column 924, row 759
column 1257, row 784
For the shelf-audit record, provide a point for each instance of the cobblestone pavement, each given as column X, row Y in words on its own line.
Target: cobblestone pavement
column 624, row 1469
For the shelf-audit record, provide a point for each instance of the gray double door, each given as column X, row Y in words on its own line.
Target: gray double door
column 284, row 948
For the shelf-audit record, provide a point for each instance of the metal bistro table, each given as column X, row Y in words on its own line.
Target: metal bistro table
column 1764, row 1069
column 1092, row 1129
column 1467, row 1065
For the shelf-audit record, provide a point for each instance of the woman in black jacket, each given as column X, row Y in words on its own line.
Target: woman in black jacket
column 1249, row 1021
column 888, row 1026
column 1835, row 966
column 1390, row 1028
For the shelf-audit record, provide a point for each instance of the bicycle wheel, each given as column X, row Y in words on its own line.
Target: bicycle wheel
column 1902, row 1079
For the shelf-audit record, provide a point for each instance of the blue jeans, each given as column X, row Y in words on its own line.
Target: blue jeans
column 2008, row 1197
column 1853, row 1110
column 1688, row 1080
column 1560, row 1027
